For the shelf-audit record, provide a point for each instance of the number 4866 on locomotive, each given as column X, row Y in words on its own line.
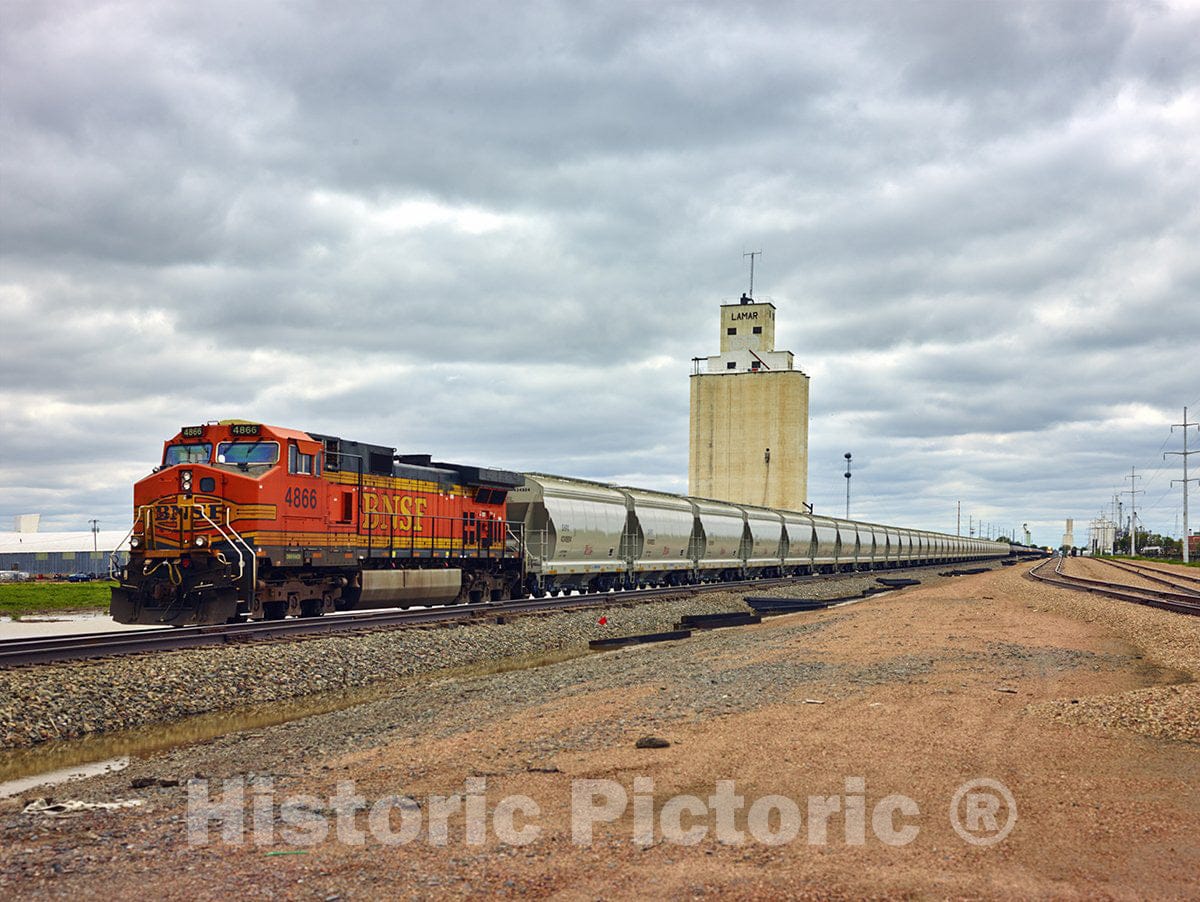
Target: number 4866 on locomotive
column 248, row 520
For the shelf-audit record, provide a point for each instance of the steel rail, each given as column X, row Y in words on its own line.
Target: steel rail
column 1166, row 577
column 50, row 649
column 1167, row 601
column 1186, row 597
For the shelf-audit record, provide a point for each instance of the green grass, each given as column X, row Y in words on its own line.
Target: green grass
column 17, row 599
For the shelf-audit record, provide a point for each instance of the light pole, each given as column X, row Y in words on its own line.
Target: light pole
column 95, row 533
column 847, row 456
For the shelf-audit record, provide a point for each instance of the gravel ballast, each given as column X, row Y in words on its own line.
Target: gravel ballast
column 80, row 698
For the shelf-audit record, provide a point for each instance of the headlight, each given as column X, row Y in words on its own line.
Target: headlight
column 185, row 480
column 135, row 542
column 200, row 541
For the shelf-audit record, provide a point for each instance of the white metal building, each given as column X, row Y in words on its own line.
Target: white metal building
column 60, row 553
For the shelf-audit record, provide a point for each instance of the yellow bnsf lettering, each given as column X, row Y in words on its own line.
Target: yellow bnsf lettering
column 399, row 513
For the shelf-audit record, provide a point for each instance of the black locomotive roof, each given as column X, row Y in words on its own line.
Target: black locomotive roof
column 380, row 460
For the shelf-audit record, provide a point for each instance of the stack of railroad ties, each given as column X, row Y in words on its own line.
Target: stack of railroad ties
column 762, row 606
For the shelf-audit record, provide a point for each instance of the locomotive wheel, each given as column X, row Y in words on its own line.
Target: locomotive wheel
column 311, row 607
column 274, row 610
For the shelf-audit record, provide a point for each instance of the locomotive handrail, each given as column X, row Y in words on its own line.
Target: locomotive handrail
column 112, row 555
column 249, row 551
column 229, row 539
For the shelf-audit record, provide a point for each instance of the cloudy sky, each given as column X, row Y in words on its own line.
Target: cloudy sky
column 498, row 233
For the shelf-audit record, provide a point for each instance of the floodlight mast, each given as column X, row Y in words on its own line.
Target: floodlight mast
column 847, row 474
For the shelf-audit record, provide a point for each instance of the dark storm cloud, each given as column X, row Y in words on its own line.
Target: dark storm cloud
column 500, row 234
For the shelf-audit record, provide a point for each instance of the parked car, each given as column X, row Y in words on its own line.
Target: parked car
column 79, row 578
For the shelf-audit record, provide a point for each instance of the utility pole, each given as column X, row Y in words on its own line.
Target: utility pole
column 1132, row 492
column 958, row 521
column 96, row 529
column 1185, row 453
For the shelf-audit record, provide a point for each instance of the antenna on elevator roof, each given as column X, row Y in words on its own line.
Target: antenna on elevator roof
column 751, row 255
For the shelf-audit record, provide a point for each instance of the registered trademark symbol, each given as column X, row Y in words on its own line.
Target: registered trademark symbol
column 977, row 809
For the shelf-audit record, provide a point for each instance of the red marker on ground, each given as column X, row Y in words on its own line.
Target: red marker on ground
column 602, row 621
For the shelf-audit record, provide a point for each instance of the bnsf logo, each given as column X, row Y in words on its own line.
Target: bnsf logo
column 301, row 498
column 400, row 512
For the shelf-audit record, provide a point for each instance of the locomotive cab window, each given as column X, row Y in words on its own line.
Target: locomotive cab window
column 187, row 454
column 256, row 453
column 298, row 462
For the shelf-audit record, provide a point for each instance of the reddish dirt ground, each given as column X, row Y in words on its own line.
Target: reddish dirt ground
column 972, row 678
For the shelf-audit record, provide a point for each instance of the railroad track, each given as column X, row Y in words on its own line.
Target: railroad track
column 1171, row 578
column 1181, row 602
column 43, row 650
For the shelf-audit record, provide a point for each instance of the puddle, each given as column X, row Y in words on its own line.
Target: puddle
column 64, row 623
column 41, row 761
column 64, row 617
column 50, row 779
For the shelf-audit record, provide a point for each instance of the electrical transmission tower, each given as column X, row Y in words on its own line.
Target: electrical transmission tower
column 1132, row 492
column 1185, row 453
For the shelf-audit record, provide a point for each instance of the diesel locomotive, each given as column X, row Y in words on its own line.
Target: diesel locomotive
column 245, row 520
column 248, row 520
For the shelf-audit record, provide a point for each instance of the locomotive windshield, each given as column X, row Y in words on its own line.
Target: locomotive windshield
column 247, row 453
column 199, row 453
